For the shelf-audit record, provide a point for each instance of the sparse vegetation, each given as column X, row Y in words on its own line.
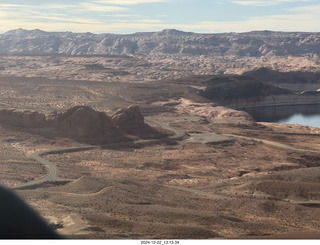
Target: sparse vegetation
column 217, row 174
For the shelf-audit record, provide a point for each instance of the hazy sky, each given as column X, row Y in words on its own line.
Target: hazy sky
column 129, row 16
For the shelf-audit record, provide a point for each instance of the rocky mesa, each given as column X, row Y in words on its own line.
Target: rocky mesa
column 240, row 92
column 165, row 42
column 81, row 123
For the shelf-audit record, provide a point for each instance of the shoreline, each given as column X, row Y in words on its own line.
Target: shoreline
column 274, row 101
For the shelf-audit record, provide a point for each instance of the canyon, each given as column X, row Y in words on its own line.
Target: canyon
column 137, row 137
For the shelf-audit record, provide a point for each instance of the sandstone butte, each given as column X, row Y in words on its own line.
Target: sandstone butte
column 81, row 123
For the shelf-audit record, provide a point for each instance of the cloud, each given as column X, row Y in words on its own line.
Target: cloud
column 264, row 2
column 81, row 26
column 312, row 9
column 56, row 17
column 46, row 17
column 80, row 6
column 129, row 2
column 91, row 7
column 299, row 19
column 83, row 16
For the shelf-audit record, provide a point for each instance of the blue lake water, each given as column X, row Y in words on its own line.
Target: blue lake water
column 304, row 115
column 313, row 121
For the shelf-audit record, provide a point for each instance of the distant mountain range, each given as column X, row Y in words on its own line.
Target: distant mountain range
column 166, row 42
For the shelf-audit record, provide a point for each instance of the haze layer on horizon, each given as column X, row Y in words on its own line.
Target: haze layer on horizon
column 129, row 16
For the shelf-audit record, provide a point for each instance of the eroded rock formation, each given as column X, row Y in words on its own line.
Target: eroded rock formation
column 128, row 118
column 19, row 118
column 234, row 88
column 166, row 42
column 82, row 123
column 131, row 121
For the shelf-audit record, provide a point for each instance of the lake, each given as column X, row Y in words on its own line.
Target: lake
column 304, row 115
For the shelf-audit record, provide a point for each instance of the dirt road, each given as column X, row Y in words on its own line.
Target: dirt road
column 52, row 169
column 268, row 142
column 52, row 175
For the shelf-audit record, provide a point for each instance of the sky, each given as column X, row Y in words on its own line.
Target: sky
column 130, row 16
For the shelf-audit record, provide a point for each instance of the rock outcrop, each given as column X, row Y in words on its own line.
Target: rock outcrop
column 82, row 123
column 166, row 42
column 20, row 118
column 233, row 88
column 131, row 121
column 236, row 115
column 128, row 118
column 276, row 100
column 272, row 76
column 239, row 92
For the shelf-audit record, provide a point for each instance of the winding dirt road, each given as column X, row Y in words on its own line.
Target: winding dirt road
column 269, row 142
column 52, row 175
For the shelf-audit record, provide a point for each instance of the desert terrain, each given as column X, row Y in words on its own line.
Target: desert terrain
column 179, row 164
